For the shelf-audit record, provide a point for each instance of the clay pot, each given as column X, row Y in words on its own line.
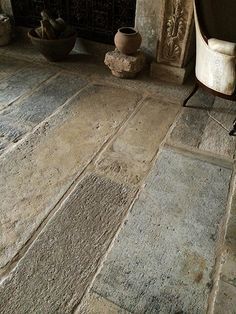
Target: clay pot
column 128, row 40
column 5, row 30
column 55, row 49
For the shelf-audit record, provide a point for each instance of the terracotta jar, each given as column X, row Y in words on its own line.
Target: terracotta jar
column 128, row 40
column 5, row 30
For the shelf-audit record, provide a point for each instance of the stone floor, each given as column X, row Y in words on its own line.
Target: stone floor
column 114, row 198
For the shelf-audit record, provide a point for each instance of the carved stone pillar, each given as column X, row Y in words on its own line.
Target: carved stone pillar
column 175, row 47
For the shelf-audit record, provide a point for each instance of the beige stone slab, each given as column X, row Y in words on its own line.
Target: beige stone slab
column 228, row 271
column 96, row 304
column 129, row 156
column 35, row 175
column 226, row 299
column 56, row 271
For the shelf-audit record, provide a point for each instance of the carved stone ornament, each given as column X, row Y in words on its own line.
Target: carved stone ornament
column 174, row 29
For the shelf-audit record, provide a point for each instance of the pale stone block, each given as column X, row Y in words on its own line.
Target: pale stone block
column 124, row 66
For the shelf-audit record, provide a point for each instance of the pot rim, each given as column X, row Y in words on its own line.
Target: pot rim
column 135, row 32
column 31, row 36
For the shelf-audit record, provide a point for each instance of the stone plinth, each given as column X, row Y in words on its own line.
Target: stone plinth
column 124, row 66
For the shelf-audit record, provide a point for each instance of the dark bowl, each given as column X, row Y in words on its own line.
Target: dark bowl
column 53, row 50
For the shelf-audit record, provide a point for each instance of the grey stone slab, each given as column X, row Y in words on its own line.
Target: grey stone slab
column 22, row 82
column 46, row 99
column 9, row 66
column 196, row 129
column 58, row 268
column 216, row 139
column 201, row 99
column 19, row 118
column 35, row 173
column 163, row 257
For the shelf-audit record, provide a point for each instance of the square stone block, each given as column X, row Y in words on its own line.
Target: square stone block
column 124, row 66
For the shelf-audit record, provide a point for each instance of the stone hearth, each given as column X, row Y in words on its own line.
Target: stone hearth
column 166, row 27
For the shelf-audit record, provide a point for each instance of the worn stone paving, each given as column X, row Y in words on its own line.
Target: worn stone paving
column 111, row 201
column 43, row 167
column 163, row 257
column 202, row 132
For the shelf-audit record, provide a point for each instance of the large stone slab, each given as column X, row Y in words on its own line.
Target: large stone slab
column 128, row 158
column 163, row 257
column 196, row 129
column 37, row 173
column 226, row 299
column 22, row 82
column 9, row 66
column 58, row 268
column 96, row 304
column 201, row 100
column 22, row 117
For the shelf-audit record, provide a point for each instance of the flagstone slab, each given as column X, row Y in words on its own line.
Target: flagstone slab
column 22, row 117
column 162, row 260
column 8, row 66
column 96, row 304
column 196, row 129
column 57, row 269
column 22, row 82
column 128, row 158
column 226, row 299
column 201, row 99
column 37, row 173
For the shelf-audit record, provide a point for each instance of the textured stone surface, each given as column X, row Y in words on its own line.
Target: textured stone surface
column 228, row 271
column 22, row 117
column 168, row 73
column 226, row 299
column 22, row 82
column 201, row 99
column 129, row 156
column 36, row 174
column 196, row 129
column 162, row 259
column 55, row 272
column 95, row 304
column 9, row 66
column 124, row 66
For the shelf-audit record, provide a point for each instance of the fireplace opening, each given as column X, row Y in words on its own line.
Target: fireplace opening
column 93, row 19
